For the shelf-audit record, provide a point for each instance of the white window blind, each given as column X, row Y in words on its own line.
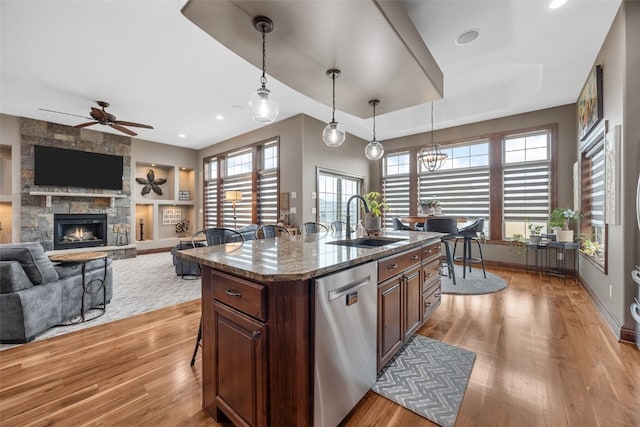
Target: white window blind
column 211, row 193
column 268, row 184
column 395, row 186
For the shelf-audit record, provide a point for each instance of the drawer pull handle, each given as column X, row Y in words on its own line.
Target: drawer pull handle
column 428, row 274
column 438, row 296
column 414, row 257
column 256, row 334
column 427, row 304
column 233, row 293
column 392, row 266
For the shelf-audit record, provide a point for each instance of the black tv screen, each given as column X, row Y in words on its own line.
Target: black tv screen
column 73, row 168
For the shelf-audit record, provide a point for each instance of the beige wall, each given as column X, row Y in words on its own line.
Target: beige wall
column 301, row 151
column 10, row 136
column 620, row 59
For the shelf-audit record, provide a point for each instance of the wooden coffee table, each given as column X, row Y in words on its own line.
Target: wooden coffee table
column 83, row 258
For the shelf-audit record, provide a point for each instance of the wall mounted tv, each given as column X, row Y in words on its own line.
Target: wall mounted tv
column 74, row 168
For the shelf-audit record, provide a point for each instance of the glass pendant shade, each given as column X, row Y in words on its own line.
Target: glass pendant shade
column 333, row 135
column 374, row 150
column 263, row 106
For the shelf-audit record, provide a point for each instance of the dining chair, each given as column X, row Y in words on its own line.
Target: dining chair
column 271, row 232
column 313, row 228
column 338, row 226
column 214, row 236
column 399, row 225
column 450, row 227
column 469, row 234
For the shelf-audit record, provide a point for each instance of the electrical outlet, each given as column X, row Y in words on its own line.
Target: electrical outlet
column 292, row 210
column 313, row 194
column 313, row 211
column 293, row 194
column 610, row 291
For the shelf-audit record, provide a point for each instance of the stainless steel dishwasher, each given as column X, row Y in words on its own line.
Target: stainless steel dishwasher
column 345, row 341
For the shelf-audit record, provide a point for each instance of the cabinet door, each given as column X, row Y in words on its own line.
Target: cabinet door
column 390, row 331
column 412, row 302
column 239, row 366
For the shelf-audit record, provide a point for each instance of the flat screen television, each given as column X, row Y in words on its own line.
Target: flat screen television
column 74, row 168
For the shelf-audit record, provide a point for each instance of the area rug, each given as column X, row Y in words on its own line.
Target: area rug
column 429, row 378
column 140, row 284
column 474, row 283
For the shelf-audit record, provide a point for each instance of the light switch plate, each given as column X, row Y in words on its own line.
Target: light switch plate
column 293, row 194
column 313, row 210
column 313, row 194
column 292, row 210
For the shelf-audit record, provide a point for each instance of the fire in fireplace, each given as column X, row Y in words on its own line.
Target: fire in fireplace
column 79, row 230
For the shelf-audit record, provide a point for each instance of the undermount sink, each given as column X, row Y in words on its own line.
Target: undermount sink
column 366, row 242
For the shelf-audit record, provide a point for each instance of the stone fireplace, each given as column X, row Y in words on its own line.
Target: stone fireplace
column 72, row 231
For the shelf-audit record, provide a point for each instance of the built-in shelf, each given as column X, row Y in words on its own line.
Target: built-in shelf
column 50, row 194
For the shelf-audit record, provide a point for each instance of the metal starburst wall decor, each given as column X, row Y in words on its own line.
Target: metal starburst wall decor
column 151, row 183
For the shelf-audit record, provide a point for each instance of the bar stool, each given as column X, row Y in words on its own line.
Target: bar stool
column 449, row 226
column 469, row 234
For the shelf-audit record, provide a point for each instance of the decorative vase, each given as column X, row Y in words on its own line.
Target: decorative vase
column 425, row 210
column 437, row 210
column 535, row 238
column 564, row 235
column 372, row 223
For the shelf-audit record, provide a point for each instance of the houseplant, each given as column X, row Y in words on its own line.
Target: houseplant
column 559, row 221
column 535, row 231
column 430, row 206
column 377, row 206
column 517, row 244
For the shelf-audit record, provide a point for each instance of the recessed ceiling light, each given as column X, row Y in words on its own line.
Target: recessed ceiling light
column 182, row 135
column 219, row 117
column 556, row 4
column 467, row 37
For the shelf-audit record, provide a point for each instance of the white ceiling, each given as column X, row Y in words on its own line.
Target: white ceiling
column 155, row 67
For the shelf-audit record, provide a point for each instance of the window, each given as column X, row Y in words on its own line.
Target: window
column 525, row 182
column 504, row 178
column 462, row 184
column 593, row 227
column 334, row 190
column 396, row 183
column 251, row 170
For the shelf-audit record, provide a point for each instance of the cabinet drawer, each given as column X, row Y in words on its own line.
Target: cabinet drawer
column 431, row 300
column 389, row 267
column 431, row 271
column 431, row 252
column 242, row 295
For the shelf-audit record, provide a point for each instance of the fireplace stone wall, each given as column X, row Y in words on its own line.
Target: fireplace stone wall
column 35, row 217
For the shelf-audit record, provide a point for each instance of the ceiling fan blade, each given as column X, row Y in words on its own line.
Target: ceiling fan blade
column 84, row 125
column 98, row 114
column 138, row 125
column 122, row 129
column 68, row 114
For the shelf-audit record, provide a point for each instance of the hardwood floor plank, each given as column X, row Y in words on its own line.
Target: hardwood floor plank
column 545, row 357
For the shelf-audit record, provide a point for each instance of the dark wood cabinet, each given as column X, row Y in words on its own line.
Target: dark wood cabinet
column 239, row 366
column 400, row 301
column 431, row 267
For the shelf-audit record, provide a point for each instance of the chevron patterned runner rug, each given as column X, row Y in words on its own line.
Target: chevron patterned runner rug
column 429, row 378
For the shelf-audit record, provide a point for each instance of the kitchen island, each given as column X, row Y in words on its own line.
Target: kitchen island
column 258, row 316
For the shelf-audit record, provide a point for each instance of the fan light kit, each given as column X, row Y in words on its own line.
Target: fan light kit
column 333, row 135
column 263, row 106
column 102, row 117
column 431, row 156
column 374, row 150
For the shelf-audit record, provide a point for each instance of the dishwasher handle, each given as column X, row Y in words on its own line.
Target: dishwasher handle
column 347, row 289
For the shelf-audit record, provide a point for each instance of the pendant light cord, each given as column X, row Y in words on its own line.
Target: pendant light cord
column 374, row 121
column 333, row 113
column 432, row 123
column 263, row 79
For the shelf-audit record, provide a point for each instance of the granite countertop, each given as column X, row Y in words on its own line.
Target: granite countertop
column 299, row 258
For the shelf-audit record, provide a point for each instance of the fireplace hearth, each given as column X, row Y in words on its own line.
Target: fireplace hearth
column 79, row 231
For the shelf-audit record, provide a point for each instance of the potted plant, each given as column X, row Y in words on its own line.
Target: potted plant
column 517, row 243
column 560, row 219
column 535, row 231
column 377, row 206
column 430, row 206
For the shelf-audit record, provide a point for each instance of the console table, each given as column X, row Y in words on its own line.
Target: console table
column 83, row 258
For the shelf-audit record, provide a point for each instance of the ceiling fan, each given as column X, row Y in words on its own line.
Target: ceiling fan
column 102, row 117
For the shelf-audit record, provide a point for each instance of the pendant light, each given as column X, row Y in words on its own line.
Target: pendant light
column 374, row 150
column 431, row 156
column 333, row 135
column 263, row 106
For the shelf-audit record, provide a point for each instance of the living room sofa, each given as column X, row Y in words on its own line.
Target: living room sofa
column 36, row 294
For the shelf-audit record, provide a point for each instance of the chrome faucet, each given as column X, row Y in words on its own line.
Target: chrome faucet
column 366, row 210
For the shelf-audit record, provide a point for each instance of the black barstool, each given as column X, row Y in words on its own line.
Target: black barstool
column 469, row 234
column 449, row 226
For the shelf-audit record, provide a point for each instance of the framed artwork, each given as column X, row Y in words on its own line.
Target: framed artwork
column 590, row 103
column 612, row 175
column 171, row 216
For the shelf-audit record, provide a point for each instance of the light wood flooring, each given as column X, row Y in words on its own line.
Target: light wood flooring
column 545, row 357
